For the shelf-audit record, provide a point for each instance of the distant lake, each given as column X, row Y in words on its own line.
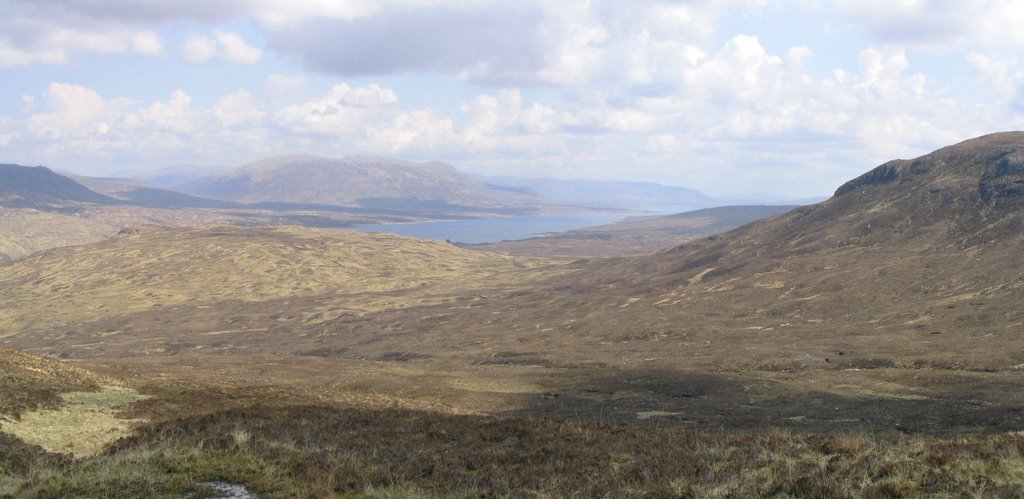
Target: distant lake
column 492, row 230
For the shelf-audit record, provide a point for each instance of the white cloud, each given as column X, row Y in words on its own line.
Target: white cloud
column 283, row 84
column 79, row 124
column 345, row 110
column 664, row 143
column 656, row 88
column 705, row 129
column 238, row 109
column 416, row 131
column 502, row 120
column 58, row 45
column 199, row 49
column 741, row 70
column 1000, row 74
column 224, row 46
column 171, row 117
column 994, row 23
column 235, row 50
column 574, row 35
column 147, row 43
column 75, row 111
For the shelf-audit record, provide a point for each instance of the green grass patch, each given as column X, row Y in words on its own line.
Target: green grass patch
column 82, row 425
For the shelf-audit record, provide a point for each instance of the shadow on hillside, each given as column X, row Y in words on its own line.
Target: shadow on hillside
column 730, row 402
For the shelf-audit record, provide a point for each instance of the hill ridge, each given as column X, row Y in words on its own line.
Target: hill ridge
column 366, row 181
column 995, row 156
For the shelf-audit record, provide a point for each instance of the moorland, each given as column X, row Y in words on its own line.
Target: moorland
column 868, row 345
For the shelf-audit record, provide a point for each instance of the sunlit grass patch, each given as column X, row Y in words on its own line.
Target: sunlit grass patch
column 82, row 426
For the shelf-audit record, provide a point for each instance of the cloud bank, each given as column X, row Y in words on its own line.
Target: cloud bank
column 662, row 90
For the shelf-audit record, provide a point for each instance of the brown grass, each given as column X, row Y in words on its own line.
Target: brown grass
column 347, row 272
column 318, row 451
column 26, row 231
column 29, row 382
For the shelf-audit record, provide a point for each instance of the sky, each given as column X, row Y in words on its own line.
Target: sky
column 787, row 98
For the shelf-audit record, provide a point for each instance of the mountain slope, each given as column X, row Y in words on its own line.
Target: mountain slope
column 354, row 181
column 136, row 192
column 924, row 252
column 915, row 263
column 24, row 231
column 41, row 188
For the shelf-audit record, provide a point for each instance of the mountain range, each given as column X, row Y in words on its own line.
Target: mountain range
column 65, row 208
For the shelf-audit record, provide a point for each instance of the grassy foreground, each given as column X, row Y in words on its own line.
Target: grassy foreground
column 319, row 451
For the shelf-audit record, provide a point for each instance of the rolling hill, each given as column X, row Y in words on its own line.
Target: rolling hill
column 368, row 182
column 325, row 273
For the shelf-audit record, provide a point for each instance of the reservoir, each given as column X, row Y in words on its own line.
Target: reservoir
column 492, row 230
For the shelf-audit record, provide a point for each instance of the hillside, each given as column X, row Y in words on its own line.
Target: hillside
column 917, row 262
column 892, row 307
column 30, row 381
column 24, row 231
column 369, row 182
column 635, row 235
column 56, row 406
column 41, row 188
column 307, row 275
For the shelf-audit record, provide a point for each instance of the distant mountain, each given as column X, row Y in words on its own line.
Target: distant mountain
column 170, row 176
column 368, row 182
column 108, row 186
column 41, row 188
column 605, row 193
column 150, row 197
column 134, row 192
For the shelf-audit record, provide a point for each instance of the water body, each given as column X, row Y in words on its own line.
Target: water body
column 492, row 230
